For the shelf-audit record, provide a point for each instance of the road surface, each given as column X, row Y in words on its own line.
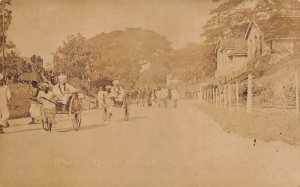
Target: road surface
column 156, row 148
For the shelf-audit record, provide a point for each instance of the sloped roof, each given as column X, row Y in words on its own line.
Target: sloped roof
column 239, row 46
column 277, row 28
column 238, row 51
column 233, row 43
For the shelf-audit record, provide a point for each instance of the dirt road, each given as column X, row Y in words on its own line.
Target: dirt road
column 156, row 148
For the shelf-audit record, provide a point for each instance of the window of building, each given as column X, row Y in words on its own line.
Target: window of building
column 230, row 59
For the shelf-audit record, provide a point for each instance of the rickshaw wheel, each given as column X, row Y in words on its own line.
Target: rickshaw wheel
column 105, row 114
column 76, row 121
column 126, row 113
column 75, row 108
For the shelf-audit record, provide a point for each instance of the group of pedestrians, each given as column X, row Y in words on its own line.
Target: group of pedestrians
column 161, row 97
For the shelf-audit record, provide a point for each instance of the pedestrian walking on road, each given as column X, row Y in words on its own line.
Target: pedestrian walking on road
column 109, row 101
column 100, row 97
column 174, row 97
column 5, row 97
column 35, row 107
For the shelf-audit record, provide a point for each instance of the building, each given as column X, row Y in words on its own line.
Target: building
column 281, row 34
column 231, row 59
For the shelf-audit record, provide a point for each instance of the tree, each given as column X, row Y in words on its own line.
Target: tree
column 227, row 21
column 109, row 56
column 72, row 57
column 37, row 64
column 194, row 62
column 5, row 21
column 231, row 18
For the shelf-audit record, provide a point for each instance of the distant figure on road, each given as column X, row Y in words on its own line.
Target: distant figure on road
column 100, row 97
column 162, row 96
column 174, row 97
column 109, row 101
column 141, row 97
column 5, row 96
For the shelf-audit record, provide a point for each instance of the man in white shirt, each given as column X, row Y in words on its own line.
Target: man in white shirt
column 63, row 91
column 100, row 97
column 118, row 92
column 5, row 96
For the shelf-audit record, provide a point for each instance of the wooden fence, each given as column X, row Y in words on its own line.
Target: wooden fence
column 228, row 95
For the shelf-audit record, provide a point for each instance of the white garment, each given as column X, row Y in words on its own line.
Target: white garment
column 5, row 95
column 63, row 92
column 35, row 110
column 174, row 95
column 118, row 93
column 100, row 98
column 46, row 99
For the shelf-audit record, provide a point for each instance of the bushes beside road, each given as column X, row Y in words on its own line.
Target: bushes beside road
column 261, row 124
column 21, row 103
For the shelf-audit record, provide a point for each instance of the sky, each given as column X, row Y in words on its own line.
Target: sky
column 40, row 26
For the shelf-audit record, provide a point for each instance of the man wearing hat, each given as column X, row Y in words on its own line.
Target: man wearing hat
column 118, row 92
column 47, row 98
column 63, row 90
column 5, row 96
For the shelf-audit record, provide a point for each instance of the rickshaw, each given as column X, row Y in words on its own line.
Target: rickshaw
column 125, row 103
column 74, row 108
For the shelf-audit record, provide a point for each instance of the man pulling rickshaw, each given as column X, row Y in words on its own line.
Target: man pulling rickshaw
column 63, row 95
column 115, row 97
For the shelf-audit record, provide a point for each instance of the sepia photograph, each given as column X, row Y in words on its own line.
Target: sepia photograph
column 149, row 93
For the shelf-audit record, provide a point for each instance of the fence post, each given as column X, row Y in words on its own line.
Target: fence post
column 297, row 92
column 220, row 97
column 229, row 96
column 225, row 95
column 249, row 93
column 237, row 94
column 213, row 97
column 217, row 97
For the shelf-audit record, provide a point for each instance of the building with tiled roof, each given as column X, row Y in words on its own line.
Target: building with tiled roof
column 231, row 58
column 272, row 36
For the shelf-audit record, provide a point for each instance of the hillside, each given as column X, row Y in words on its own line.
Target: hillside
column 132, row 43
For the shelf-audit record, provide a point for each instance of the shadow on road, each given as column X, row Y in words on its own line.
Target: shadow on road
column 26, row 130
column 82, row 128
column 130, row 119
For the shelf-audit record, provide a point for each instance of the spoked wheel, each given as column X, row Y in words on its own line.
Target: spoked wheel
column 105, row 114
column 76, row 121
column 46, row 125
column 126, row 113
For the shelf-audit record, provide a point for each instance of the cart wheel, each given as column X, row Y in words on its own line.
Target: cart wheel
column 76, row 121
column 126, row 113
column 105, row 114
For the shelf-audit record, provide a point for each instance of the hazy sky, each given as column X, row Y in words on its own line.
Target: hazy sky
column 40, row 26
